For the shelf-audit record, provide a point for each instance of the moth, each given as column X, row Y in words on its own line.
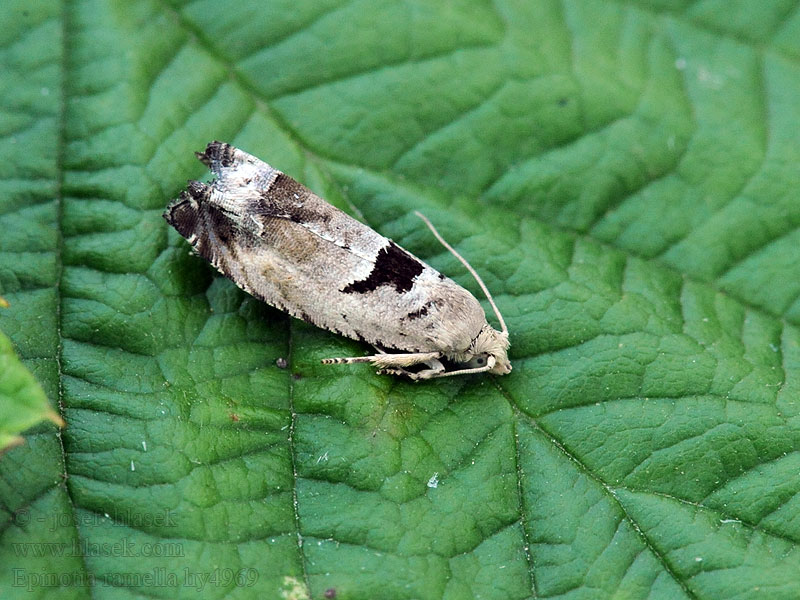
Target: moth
column 285, row 245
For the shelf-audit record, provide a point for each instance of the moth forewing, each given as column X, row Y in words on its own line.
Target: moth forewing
column 285, row 245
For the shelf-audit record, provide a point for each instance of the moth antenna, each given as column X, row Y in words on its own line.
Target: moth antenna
column 472, row 271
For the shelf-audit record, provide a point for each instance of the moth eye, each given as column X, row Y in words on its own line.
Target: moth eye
column 476, row 362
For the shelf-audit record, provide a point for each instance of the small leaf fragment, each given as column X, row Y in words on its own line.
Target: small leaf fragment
column 23, row 403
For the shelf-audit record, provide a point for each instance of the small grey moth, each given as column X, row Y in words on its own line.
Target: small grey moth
column 285, row 245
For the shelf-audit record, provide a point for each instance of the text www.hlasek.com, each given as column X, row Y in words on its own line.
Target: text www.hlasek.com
column 85, row 548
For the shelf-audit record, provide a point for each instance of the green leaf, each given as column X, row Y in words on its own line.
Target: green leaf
column 22, row 400
column 622, row 175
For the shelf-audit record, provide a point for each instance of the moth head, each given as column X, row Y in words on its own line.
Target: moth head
column 491, row 348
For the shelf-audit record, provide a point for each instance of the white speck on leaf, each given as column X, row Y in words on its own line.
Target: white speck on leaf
column 709, row 79
column 433, row 482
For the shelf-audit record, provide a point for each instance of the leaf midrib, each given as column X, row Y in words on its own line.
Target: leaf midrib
column 61, row 123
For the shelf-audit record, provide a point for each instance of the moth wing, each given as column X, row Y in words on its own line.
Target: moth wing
column 287, row 246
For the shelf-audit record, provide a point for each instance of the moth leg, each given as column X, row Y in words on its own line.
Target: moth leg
column 392, row 372
column 435, row 365
column 386, row 360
